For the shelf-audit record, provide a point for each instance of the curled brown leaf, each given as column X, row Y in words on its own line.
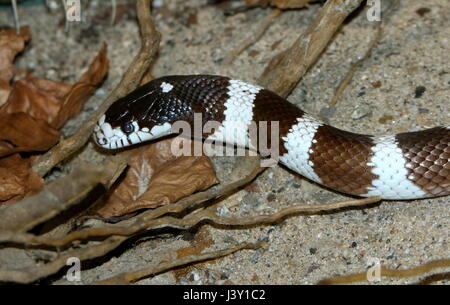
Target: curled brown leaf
column 11, row 43
column 38, row 98
column 84, row 88
column 157, row 177
column 21, row 132
column 17, row 180
column 55, row 102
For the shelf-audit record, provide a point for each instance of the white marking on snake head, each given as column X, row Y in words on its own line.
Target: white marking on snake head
column 166, row 87
column 107, row 130
column 161, row 130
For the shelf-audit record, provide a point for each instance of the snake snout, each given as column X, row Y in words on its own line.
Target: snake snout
column 129, row 133
column 108, row 137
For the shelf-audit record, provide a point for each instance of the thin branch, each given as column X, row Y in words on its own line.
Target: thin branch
column 346, row 80
column 59, row 195
column 16, row 16
column 262, row 28
column 286, row 69
column 135, row 224
column 31, row 274
column 386, row 272
column 189, row 221
column 130, row 80
column 129, row 277
column 114, row 11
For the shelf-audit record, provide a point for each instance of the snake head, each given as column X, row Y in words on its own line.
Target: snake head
column 128, row 133
column 144, row 114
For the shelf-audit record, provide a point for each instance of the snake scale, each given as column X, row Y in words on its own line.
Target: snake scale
column 408, row 165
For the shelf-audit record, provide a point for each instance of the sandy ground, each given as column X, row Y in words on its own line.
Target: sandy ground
column 414, row 51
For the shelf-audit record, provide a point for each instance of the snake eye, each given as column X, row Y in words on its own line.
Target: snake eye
column 127, row 127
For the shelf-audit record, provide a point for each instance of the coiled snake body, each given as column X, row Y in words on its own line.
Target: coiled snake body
column 402, row 166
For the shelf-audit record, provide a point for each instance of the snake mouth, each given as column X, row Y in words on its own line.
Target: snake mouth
column 108, row 137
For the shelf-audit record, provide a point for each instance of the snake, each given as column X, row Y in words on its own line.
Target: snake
column 403, row 166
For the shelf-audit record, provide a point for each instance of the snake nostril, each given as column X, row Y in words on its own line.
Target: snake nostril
column 102, row 141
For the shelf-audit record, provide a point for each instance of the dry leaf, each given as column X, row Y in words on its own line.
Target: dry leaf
column 10, row 44
column 56, row 102
column 34, row 110
column 38, row 98
column 5, row 90
column 17, row 180
column 21, row 132
column 82, row 91
column 156, row 177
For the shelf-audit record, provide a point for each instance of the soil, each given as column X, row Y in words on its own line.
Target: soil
column 404, row 85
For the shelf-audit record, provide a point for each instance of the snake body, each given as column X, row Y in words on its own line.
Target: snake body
column 403, row 166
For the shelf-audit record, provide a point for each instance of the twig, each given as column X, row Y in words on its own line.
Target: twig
column 130, row 80
column 286, row 69
column 16, row 16
column 114, row 11
column 189, row 221
column 31, row 274
column 135, row 224
column 129, row 277
column 66, row 20
column 150, row 42
column 346, row 80
column 59, row 195
column 415, row 271
column 265, row 24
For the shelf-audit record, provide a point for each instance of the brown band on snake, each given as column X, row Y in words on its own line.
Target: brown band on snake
column 428, row 153
column 271, row 107
column 404, row 166
column 340, row 159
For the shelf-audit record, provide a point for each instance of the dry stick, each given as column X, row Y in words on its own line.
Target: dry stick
column 66, row 21
column 343, row 84
column 114, row 11
column 252, row 165
column 285, row 70
column 183, row 223
column 283, row 4
column 208, row 214
column 198, row 196
column 132, row 225
column 138, row 67
column 379, row 33
column 415, row 271
column 183, row 204
column 253, row 38
column 16, row 16
column 129, row 277
column 59, row 195
column 160, row 222
column 31, row 274
column 130, row 80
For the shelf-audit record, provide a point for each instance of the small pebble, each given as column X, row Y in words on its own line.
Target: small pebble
column 418, row 92
column 327, row 112
column 361, row 110
column 422, row 11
